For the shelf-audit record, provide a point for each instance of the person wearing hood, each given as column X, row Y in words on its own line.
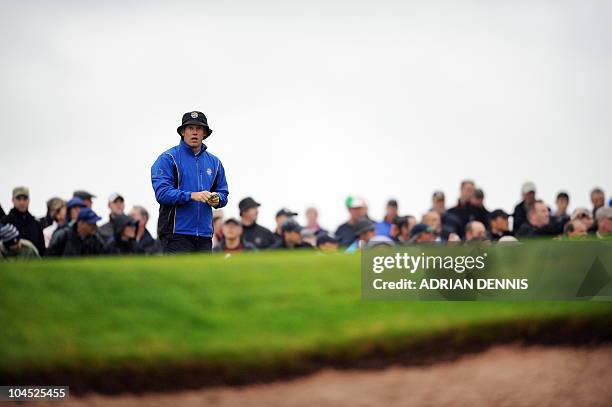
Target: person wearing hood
column 123, row 240
column 29, row 228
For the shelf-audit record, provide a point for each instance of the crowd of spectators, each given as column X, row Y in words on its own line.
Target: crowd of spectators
column 70, row 227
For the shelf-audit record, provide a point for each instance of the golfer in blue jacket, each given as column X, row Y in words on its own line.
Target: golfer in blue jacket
column 188, row 182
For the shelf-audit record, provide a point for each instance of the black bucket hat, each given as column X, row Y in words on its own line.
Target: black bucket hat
column 196, row 118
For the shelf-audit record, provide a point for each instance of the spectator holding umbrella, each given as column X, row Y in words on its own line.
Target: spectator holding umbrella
column 19, row 216
column 12, row 247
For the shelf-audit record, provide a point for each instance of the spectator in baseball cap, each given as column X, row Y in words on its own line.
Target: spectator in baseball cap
column 281, row 216
column 499, row 225
column 604, row 222
column 116, row 205
column 358, row 210
column 19, row 216
column 12, row 247
column 74, row 206
column 254, row 233
column 85, row 196
column 422, row 233
column 365, row 230
column 528, row 192
column 80, row 239
column 232, row 241
column 291, row 236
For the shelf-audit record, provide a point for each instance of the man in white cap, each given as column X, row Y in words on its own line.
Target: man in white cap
column 528, row 192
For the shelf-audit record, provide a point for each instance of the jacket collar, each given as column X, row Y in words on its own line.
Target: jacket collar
column 187, row 149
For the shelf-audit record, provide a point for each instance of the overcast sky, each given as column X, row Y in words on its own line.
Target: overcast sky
column 309, row 101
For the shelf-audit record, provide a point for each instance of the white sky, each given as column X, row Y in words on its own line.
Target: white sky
column 309, row 101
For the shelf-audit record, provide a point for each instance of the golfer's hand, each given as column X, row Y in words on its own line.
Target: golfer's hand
column 214, row 200
column 202, row 196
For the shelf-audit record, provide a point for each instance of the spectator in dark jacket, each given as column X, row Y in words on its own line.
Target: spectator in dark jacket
column 281, row 217
column 528, row 191
column 29, row 228
column 499, row 225
column 464, row 210
column 538, row 222
column 358, row 210
column 232, row 241
column 292, row 236
column 146, row 243
column 560, row 216
column 253, row 233
column 80, row 238
column 116, row 204
column 123, row 240
column 450, row 222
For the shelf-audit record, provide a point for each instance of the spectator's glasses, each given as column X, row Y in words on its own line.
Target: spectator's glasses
column 22, row 198
column 584, row 215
